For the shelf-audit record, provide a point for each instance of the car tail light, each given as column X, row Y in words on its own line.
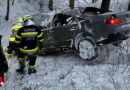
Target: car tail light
column 112, row 20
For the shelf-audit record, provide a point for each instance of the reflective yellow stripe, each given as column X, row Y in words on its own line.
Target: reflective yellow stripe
column 40, row 35
column 29, row 50
column 7, row 54
column 16, row 26
column 18, row 36
column 17, row 41
column 41, row 40
column 12, row 39
column 32, row 66
column 29, row 33
column 20, row 58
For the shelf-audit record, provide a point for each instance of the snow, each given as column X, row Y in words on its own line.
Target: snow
column 110, row 71
column 66, row 72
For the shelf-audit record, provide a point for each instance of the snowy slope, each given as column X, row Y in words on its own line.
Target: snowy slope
column 66, row 72
column 110, row 71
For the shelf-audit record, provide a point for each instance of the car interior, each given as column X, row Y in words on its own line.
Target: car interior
column 62, row 19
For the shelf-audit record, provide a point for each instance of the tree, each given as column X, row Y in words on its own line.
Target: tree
column 129, row 7
column 71, row 4
column 7, row 12
column 50, row 6
column 105, row 4
column 94, row 1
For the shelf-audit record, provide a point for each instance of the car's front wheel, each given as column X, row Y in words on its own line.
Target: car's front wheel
column 87, row 48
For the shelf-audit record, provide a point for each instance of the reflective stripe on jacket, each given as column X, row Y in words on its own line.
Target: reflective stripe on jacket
column 28, row 38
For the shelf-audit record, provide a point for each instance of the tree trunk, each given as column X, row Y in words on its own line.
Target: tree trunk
column 94, row 1
column 50, row 6
column 7, row 12
column 129, row 7
column 105, row 4
column 71, row 4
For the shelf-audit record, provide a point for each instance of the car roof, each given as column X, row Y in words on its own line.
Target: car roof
column 80, row 12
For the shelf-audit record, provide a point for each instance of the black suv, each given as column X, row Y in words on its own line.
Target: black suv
column 83, row 30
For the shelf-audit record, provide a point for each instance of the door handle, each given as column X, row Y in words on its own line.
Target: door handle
column 72, row 29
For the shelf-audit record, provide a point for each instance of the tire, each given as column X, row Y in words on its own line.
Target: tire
column 87, row 48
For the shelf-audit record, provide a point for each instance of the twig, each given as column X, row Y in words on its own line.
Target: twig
column 125, row 84
column 85, row 1
column 113, row 81
column 125, row 68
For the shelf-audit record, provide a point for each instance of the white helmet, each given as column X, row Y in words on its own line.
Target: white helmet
column 28, row 22
column 19, row 23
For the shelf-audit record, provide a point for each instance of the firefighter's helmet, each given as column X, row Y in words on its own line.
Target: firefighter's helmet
column 27, row 16
column 20, row 19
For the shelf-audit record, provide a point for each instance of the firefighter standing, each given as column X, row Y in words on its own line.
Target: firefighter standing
column 3, row 64
column 14, row 29
column 28, row 39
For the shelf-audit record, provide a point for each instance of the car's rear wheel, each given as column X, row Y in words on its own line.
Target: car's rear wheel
column 87, row 48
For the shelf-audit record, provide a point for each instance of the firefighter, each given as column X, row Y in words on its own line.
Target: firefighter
column 14, row 29
column 3, row 64
column 28, row 39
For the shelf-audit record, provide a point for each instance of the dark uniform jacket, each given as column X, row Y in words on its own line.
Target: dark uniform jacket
column 28, row 38
column 3, row 62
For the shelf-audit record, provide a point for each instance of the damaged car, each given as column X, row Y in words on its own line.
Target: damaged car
column 83, row 30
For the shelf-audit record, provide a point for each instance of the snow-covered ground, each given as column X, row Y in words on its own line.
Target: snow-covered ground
column 110, row 71
column 66, row 72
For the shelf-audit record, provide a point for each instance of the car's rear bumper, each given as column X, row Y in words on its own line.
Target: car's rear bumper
column 113, row 38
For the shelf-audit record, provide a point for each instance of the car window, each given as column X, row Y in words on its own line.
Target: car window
column 72, row 20
column 61, row 19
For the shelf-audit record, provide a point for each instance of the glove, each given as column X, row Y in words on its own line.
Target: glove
column 41, row 51
column 40, row 47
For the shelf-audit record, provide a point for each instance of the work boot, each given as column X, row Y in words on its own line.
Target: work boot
column 21, row 68
column 31, row 70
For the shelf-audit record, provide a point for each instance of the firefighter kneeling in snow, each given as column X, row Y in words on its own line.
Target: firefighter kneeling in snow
column 28, row 39
column 3, row 64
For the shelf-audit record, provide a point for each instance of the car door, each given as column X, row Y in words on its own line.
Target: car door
column 48, row 39
column 62, row 36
